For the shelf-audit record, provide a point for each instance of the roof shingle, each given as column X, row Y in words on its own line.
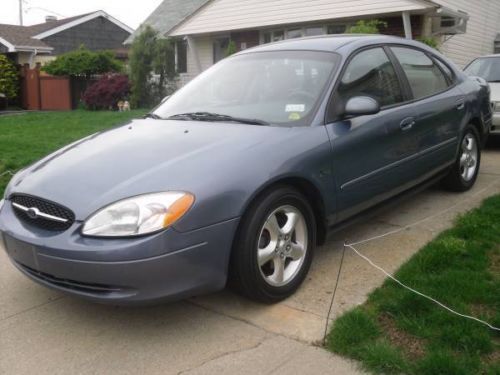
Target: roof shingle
column 168, row 15
column 22, row 36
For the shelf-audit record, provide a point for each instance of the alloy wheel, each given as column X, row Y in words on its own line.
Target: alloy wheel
column 469, row 157
column 282, row 245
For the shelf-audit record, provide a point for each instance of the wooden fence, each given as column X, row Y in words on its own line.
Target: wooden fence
column 40, row 91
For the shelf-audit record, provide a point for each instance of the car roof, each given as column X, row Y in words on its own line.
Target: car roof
column 334, row 43
column 488, row 56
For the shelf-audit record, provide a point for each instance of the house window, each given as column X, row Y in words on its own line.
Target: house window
column 295, row 33
column 336, row 29
column 181, row 56
column 278, row 35
column 299, row 32
column 313, row 31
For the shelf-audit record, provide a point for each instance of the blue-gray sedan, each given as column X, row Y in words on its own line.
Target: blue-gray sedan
column 241, row 173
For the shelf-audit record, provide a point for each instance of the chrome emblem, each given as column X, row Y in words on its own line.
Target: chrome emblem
column 33, row 212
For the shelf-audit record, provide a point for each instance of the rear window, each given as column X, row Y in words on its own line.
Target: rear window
column 487, row 68
column 425, row 77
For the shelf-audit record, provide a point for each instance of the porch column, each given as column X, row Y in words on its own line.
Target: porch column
column 192, row 47
column 407, row 25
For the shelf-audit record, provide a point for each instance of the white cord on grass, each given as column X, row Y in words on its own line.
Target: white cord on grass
column 420, row 294
column 351, row 246
column 7, row 172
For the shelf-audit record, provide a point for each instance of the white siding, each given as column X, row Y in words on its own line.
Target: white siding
column 226, row 15
column 483, row 26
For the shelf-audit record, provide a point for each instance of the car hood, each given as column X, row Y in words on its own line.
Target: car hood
column 140, row 157
column 495, row 91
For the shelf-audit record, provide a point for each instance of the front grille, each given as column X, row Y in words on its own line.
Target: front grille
column 71, row 284
column 44, row 207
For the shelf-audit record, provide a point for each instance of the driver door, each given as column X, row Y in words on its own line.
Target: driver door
column 371, row 154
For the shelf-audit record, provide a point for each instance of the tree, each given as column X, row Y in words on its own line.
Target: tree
column 9, row 79
column 366, row 27
column 164, row 67
column 151, row 55
column 83, row 62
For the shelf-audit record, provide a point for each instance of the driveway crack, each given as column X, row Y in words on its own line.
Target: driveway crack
column 222, row 355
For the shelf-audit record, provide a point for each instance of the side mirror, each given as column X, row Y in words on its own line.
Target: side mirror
column 361, row 105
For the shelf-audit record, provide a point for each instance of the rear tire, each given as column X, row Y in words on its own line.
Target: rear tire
column 274, row 247
column 464, row 172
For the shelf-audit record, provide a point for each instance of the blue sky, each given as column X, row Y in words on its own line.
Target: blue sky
column 129, row 12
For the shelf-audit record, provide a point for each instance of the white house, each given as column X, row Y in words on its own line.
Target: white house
column 203, row 29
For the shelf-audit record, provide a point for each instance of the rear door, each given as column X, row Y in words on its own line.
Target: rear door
column 371, row 154
column 439, row 106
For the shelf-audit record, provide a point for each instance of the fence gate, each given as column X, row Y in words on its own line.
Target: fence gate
column 55, row 93
column 44, row 92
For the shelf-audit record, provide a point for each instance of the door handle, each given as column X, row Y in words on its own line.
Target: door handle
column 407, row 123
column 460, row 105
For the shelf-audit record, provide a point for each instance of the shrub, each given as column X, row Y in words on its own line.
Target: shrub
column 150, row 55
column 107, row 92
column 83, row 62
column 431, row 42
column 9, row 79
column 231, row 48
column 366, row 27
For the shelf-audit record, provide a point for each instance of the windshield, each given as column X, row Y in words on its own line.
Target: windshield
column 279, row 88
column 487, row 68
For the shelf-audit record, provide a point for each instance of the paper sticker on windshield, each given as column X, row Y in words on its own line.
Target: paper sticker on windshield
column 295, row 108
column 294, row 116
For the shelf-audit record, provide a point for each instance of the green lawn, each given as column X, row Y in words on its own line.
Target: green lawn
column 397, row 331
column 28, row 137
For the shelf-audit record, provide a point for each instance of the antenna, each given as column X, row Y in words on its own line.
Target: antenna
column 21, row 12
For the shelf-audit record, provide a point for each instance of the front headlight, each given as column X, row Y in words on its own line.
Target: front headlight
column 139, row 215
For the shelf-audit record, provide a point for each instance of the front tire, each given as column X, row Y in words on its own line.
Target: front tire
column 463, row 175
column 274, row 246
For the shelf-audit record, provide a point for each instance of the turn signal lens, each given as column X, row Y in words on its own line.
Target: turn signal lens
column 178, row 209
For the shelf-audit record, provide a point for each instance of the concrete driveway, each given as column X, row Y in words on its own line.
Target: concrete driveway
column 46, row 332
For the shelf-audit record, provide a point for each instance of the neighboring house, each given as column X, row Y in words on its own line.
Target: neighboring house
column 38, row 43
column 465, row 28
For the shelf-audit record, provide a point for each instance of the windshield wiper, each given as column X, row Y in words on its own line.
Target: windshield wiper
column 208, row 116
column 153, row 116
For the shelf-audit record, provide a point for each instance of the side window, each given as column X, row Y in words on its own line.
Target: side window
column 446, row 69
column 424, row 75
column 371, row 73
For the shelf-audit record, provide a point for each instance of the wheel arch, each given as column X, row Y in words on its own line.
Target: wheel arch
column 307, row 188
column 478, row 124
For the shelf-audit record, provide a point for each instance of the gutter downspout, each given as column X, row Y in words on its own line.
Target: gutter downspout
column 32, row 57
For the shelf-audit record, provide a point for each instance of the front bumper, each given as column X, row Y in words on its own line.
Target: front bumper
column 165, row 266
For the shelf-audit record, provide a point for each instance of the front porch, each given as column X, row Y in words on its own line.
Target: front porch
column 200, row 51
